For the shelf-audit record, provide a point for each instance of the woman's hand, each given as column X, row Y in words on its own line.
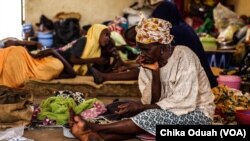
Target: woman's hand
column 120, row 69
column 39, row 45
column 129, row 109
column 140, row 60
column 102, row 61
column 154, row 66
column 44, row 53
column 78, row 126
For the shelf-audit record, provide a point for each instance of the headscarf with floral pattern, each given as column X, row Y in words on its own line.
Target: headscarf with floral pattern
column 153, row 30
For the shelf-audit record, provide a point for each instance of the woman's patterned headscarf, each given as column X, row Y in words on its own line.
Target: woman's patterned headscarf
column 154, row 30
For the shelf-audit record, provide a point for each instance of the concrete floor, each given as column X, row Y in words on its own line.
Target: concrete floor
column 56, row 134
column 46, row 134
column 51, row 134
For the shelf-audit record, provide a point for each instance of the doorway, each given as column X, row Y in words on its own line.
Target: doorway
column 11, row 18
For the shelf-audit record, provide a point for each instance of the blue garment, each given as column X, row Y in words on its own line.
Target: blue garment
column 1, row 44
column 184, row 35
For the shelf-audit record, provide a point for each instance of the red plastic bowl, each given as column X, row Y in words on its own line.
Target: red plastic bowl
column 243, row 117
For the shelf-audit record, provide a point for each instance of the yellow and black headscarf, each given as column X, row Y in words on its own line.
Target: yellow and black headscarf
column 92, row 48
column 153, row 30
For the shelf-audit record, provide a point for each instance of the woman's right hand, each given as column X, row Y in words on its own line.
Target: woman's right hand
column 129, row 109
column 39, row 45
column 44, row 53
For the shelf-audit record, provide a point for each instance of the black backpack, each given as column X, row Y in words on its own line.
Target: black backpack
column 66, row 31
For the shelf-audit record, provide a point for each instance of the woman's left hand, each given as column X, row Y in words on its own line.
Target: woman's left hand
column 77, row 126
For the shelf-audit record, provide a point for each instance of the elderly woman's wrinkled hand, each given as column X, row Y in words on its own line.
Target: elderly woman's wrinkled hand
column 129, row 109
column 154, row 66
column 141, row 60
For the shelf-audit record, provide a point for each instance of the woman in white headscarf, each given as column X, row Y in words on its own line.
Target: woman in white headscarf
column 174, row 86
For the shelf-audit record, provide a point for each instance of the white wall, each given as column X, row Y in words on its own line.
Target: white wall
column 241, row 6
column 11, row 20
column 92, row 11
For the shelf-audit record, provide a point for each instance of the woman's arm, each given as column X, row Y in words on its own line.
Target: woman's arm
column 156, row 86
column 78, row 61
column 111, row 51
column 70, row 73
column 132, row 108
column 75, row 53
column 156, row 81
column 117, row 60
column 27, row 44
column 185, row 89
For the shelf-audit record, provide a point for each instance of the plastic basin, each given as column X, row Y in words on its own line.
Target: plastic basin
column 45, row 38
column 243, row 117
column 232, row 81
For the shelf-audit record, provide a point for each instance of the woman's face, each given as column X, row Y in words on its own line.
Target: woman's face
column 150, row 53
column 104, row 38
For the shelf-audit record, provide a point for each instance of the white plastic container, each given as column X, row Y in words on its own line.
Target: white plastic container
column 67, row 133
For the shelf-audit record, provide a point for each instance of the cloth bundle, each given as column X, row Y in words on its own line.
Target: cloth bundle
column 15, row 107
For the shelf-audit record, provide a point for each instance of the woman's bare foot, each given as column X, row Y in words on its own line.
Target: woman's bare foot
column 98, row 76
column 81, row 130
column 79, row 126
column 91, row 136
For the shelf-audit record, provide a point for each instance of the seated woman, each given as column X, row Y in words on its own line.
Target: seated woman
column 96, row 50
column 174, row 86
column 184, row 34
column 17, row 65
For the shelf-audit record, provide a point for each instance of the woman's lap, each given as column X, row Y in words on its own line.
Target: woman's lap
column 148, row 119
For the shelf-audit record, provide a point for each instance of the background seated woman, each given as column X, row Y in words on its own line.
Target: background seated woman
column 97, row 50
